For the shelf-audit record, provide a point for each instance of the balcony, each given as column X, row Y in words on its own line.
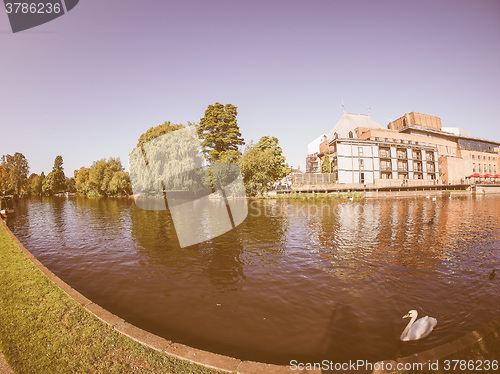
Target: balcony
column 386, row 167
column 417, row 155
column 384, row 154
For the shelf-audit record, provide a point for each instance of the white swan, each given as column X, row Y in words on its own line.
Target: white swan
column 419, row 329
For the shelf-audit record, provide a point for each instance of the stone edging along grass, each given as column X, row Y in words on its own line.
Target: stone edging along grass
column 136, row 350
column 83, row 337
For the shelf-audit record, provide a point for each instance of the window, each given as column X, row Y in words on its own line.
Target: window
column 335, row 135
column 350, row 134
column 479, row 166
column 473, row 157
column 485, row 170
column 361, row 164
column 361, row 151
column 473, row 168
column 362, row 177
column 489, row 167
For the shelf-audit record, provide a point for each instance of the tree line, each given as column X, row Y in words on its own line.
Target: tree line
column 261, row 163
column 103, row 178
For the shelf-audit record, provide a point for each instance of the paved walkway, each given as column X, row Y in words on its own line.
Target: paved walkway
column 4, row 367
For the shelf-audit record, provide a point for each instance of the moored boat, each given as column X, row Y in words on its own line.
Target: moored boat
column 6, row 206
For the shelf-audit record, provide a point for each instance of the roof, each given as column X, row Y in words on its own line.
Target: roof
column 349, row 122
column 448, row 134
column 313, row 147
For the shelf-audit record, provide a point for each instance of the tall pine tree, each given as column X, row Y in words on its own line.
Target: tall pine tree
column 220, row 133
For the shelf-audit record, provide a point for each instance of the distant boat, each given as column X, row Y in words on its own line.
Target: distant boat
column 6, row 206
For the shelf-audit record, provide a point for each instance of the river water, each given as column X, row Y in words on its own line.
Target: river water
column 303, row 280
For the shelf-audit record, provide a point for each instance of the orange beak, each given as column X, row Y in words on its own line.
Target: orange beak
column 406, row 316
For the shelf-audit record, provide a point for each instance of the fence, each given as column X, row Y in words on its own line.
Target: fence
column 328, row 181
column 313, row 179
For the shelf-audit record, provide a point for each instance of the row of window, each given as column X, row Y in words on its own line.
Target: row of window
column 486, row 169
column 336, row 136
column 401, row 153
column 478, row 157
column 405, row 176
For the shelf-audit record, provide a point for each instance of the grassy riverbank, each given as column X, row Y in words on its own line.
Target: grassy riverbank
column 43, row 330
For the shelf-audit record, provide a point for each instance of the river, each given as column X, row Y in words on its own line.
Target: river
column 302, row 280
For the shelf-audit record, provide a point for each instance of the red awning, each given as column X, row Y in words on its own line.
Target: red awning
column 487, row 176
column 476, row 175
column 496, row 176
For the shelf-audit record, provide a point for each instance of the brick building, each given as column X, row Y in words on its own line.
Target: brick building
column 412, row 147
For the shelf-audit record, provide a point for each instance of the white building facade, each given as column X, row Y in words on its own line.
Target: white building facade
column 365, row 161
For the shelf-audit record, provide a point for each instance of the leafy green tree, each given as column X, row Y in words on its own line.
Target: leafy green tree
column 35, row 184
column 262, row 164
column 82, row 178
column 96, row 176
column 3, row 177
column 103, row 178
column 70, row 185
column 326, row 167
column 101, row 174
column 59, row 179
column 55, row 182
column 47, row 184
column 220, row 133
column 14, row 173
column 120, row 184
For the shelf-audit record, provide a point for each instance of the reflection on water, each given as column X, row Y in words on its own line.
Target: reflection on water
column 305, row 280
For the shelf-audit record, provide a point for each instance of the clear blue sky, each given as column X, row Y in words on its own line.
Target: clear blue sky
column 87, row 84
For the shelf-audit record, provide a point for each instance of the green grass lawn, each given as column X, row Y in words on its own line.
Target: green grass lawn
column 43, row 330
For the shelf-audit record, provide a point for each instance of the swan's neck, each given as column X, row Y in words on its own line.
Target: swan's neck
column 405, row 332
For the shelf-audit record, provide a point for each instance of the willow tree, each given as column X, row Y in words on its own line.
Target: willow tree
column 167, row 157
column 157, row 131
column 219, row 133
